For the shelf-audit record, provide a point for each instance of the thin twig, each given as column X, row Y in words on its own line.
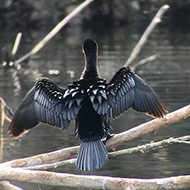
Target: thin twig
column 151, row 146
column 54, row 31
column 3, row 115
column 53, row 165
column 146, row 34
column 16, row 44
column 144, row 61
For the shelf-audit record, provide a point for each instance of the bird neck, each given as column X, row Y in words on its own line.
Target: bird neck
column 91, row 68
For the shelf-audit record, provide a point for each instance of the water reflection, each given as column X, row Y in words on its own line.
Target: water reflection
column 169, row 75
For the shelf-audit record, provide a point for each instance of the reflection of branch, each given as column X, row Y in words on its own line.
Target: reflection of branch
column 145, row 35
column 92, row 181
column 115, row 141
column 54, row 31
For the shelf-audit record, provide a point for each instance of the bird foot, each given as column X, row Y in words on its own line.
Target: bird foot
column 108, row 136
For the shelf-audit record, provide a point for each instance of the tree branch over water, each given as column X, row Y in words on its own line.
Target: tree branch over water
column 118, row 139
column 142, row 148
column 146, row 34
column 54, row 31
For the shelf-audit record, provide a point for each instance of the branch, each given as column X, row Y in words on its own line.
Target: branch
column 3, row 114
column 16, row 44
column 68, row 153
column 5, row 185
column 144, row 61
column 142, row 148
column 93, row 182
column 149, row 127
column 146, row 34
column 54, row 31
column 151, row 146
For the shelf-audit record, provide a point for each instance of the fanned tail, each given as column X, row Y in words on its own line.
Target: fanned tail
column 92, row 155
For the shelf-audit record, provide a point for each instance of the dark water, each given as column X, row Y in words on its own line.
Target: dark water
column 169, row 75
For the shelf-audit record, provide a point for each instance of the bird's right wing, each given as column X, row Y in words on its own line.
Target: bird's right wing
column 126, row 89
column 46, row 103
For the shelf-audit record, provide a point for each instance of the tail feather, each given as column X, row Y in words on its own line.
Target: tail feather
column 92, row 155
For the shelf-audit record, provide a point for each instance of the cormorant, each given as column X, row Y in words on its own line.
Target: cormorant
column 91, row 101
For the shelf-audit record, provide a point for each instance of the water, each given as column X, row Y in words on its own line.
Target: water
column 169, row 76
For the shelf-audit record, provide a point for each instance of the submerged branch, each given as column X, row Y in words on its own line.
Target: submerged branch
column 146, row 34
column 92, row 181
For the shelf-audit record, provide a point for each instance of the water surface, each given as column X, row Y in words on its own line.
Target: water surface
column 169, row 76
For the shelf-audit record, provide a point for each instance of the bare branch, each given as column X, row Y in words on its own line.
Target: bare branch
column 3, row 114
column 5, row 185
column 54, row 31
column 151, row 146
column 146, row 34
column 53, row 165
column 93, row 182
column 149, row 127
column 115, row 141
column 16, row 44
column 142, row 148
column 144, row 61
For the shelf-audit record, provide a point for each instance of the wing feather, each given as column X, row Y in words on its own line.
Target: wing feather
column 46, row 103
column 126, row 89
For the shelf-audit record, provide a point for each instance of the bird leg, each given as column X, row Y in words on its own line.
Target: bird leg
column 108, row 136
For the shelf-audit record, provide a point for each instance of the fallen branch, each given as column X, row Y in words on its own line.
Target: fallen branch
column 151, row 146
column 149, row 127
column 146, row 34
column 91, row 181
column 115, row 141
column 142, row 148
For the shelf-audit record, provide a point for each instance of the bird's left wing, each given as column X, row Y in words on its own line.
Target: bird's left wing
column 126, row 89
column 46, row 103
